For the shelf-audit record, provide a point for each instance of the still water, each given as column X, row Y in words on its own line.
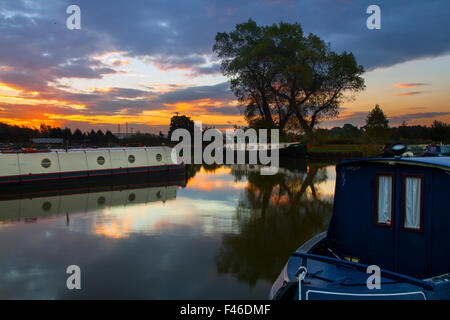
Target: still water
column 223, row 233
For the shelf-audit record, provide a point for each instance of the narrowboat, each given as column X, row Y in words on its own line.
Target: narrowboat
column 293, row 150
column 388, row 237
column 286, row 150
column 437, row 150
column 78, row 165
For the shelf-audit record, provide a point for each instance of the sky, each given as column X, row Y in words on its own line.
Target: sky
column 140, row 62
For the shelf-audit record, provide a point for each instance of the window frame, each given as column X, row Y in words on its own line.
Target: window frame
column 46, row 163
column 421, row 218
column 384, row 174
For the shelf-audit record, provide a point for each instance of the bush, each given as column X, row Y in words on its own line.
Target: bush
column 371, row 150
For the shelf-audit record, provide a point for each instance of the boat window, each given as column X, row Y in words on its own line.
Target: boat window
column 158, row 157
column 131, row 158
column 101, row 160
column 46, row 163
column 384, row 199
column 412, row 202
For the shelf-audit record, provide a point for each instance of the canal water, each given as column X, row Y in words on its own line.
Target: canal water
column 223, row 233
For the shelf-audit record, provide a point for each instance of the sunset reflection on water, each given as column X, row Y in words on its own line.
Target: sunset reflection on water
column 232, row 229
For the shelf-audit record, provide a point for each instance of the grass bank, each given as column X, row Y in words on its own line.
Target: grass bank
column 366, row 149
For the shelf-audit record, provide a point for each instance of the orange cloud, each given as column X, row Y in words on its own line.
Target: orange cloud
column 411, row 85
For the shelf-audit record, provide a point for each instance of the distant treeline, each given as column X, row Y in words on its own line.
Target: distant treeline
column 348, row 134
column 436, row 133
column 23, row 135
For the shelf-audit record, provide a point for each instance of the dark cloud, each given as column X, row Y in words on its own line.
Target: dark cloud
column 160, row 31
column 219, row 91
column 180, row 38
column 412, row 116
column 212, row 69
column 231, row 110
column 81, row 68
column 410, row 93
column 177, row 62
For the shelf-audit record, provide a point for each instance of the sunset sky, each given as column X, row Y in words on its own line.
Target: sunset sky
column 141, row 61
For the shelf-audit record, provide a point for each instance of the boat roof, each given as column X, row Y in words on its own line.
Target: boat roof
column 82, row 150
column 434, row 162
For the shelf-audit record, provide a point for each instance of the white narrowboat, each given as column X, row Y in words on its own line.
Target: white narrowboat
column 81, row 164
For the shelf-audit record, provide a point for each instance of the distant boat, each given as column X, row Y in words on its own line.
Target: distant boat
column 438, row 150
column 390, row 213
column 25, row 167
column 285, row 149
column 293, row 150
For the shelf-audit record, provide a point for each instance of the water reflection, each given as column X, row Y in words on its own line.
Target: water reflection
column 221, row 232
column 41, row 206
column 275, row 215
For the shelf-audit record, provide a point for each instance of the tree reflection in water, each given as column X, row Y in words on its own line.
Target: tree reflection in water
column 275, row 214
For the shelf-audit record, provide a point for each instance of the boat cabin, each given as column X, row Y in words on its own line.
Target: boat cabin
column 394, row 213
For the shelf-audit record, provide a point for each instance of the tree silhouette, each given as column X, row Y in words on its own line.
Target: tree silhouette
column 281, row 76
column 377, row 129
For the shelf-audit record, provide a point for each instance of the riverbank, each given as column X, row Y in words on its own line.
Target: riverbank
column 337, row 152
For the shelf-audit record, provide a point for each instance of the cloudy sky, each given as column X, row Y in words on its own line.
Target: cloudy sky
column 141, row 61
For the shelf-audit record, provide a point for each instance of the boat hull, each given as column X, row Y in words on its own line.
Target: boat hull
column 334, row 279
column 98, row 176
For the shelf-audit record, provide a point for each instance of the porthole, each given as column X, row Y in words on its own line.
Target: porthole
column 46, row 206
column 101, row 200
column 131, row 158
column 131, row 197
column 46, row 163
column 158, row 157
column 101, row 160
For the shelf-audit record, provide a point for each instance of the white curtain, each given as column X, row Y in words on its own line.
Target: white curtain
column 412, row 202
column 384, row 199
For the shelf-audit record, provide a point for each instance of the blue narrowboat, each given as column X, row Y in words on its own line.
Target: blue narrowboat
column 388, row 237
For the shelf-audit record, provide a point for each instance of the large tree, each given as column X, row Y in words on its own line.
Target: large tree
column 284, row 77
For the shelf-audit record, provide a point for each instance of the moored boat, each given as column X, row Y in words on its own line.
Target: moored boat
column 18, row 168
column 390, row 215
column 438, row 150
